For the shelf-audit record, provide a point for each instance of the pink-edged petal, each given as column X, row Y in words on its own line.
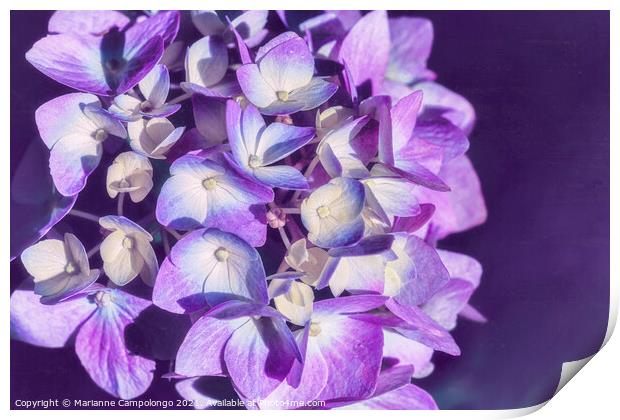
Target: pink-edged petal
column 411, row 41
column 94, row 22
column 254, row 86
column 463, row 207
column 64, row 115
column 202, row 350
column 72, row 159
column 46, row 325
column 366, row 49
column 102, row 349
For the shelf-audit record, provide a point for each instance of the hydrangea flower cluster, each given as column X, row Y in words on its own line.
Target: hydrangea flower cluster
column 325, row 147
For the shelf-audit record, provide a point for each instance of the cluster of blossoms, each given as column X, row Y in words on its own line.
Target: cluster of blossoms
column 325, row 147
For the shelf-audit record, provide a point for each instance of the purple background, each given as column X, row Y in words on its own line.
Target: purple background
column 540, row 84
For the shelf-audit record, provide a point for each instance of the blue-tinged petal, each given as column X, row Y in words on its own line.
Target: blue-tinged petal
column 250, row 25
column 254, row 86
column 366, row 49
column 207, row 22
column 102, row 119
column 80, row 22
column 182, row 203
column 287, row 64
column 64, row 115
column 206, row 61
column 72, row 159
column 418, row 174
column 413, row 223
column 179, row 291
column 395, row 196
column 46, row 325
column 313, row 94
column 102, row 349
column 279, row 140
column 285, row 177
column 252, row 127
column 369, row 245
column 202, row 350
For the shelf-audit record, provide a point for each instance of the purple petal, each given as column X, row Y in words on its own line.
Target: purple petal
column 404, row 117
column 102, row 350
column 178, row 290
column 46, row 325
column 463, row 207
column 206, row 62
column 369, row 245
column 431, row 275
column 250, row 25
column 352, row 352
column 413, row 223
column 257, row 358
column 285, row 177
column 94, row 22
column 442, row 134
column 164, row 24
column 446, row 304
column 451, row 105
column 210, row 118
column 400, row 350
column 411, row 41
column 280, row 140
column 202, row 351
column 348, row 304
column 409, row 397
column 461, row 266
column 418, row 174
column 366, row 49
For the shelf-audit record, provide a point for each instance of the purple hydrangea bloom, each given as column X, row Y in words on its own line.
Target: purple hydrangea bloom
column 286, row 235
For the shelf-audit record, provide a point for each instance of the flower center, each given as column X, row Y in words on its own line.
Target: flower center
column 221, row 254
column 146, row 106
column 254, row 161
column 315, row 329
column 323, row 212
column 128, row 242
column 209, row 183
column 102, row 298
column 100, row 134
column 282, row 95
column 70, row 268
column 123, row 183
